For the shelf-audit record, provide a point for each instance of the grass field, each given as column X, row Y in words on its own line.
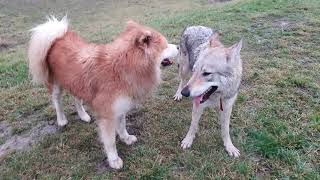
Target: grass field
column 275, row 122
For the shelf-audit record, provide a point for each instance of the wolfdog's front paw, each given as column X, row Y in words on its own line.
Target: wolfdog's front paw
column 177, row 96
column 186, row 142
column 116, row 163
column 232, row 151
column 62, row 121
column 85, row 117
column 130, row 139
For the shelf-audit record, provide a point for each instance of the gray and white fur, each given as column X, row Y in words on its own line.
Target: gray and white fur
column 193, row 40
column 216, row 76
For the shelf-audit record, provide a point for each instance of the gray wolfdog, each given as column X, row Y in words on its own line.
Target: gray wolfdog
column 216, row 76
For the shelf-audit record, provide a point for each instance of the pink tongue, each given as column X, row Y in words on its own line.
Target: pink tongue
column 196, row 100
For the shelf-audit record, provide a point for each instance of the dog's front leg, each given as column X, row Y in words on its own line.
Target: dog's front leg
column 107, row 130
column 196, row 114
column 123, row 133
column 224, row 118
column 183, row 75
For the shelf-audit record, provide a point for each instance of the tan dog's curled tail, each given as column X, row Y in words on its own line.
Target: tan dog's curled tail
column 43, row 36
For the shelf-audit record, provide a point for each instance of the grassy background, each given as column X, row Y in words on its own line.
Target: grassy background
column 275, row 122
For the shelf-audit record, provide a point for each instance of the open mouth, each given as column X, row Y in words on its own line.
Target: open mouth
column 166, row 62
column 205, row 96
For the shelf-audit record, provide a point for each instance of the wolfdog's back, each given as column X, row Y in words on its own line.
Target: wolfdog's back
column 192, row 39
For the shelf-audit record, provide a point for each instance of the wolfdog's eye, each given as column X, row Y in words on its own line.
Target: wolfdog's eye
column 206, row 74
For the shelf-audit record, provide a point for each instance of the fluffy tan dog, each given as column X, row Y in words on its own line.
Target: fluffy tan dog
column 110, row 78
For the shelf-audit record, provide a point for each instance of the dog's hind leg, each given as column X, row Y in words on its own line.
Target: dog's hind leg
column 196, row 114
column 56, row 100
column 123, row 133
column 224, row 118
column 84, row 116
column 183, row 75
column 107, row 131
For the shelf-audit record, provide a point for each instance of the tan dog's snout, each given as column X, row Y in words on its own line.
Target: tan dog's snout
column 169, row 53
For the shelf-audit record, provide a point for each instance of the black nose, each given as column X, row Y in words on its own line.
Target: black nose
column 185, row 91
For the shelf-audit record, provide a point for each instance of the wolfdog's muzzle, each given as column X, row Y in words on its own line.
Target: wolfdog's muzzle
column 203, row 97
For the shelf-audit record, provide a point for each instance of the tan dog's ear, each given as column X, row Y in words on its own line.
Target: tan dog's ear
column 131, row 25
column 214, row 40
column 144, row 38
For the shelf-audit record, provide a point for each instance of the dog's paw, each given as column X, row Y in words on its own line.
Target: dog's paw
column 62, row 121
column 85, row 117
column 177, row 96
column 116, row 163
column 130, row 139
column 186, row 142
column 232, row 151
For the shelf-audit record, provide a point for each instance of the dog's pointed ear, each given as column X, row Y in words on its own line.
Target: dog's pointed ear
column 214, row 40
column 144, row 39
column 131, row 25
column 233, row 52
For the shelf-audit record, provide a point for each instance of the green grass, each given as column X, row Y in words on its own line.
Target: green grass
column 275, row 122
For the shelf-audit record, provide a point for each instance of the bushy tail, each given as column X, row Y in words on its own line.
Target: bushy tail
column 43, row 36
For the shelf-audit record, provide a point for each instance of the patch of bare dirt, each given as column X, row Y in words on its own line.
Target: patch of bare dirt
column 5, row 44
column 285, row 24
column 5, row 130
column 37, row 130
column 28, row 138
column 25, row 141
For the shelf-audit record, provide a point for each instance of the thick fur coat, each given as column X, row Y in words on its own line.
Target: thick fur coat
column 110, row 78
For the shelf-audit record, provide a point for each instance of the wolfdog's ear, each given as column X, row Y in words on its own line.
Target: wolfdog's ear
column 234, row 51
column 143, row 39
column 214, row 40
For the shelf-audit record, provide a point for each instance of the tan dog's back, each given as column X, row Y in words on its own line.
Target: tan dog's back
column 68, row 60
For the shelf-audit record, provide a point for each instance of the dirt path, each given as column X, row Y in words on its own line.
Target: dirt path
column 26, row 140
